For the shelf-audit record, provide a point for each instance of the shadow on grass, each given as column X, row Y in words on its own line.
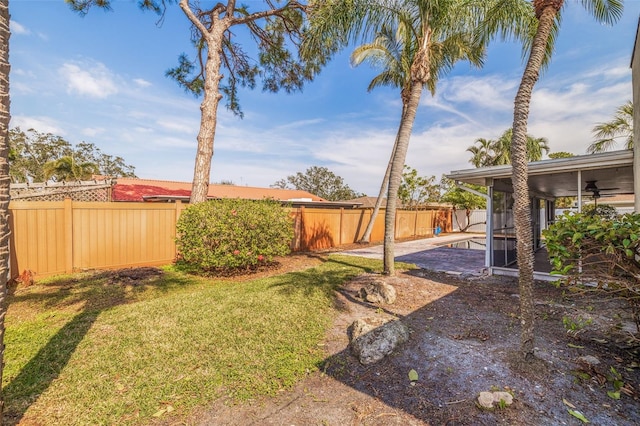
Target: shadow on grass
column 38, row 374
column 337, row 270
column 89, row 296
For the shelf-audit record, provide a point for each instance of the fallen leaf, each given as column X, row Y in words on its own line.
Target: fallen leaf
column 571, row 345
column 568, row 404
column 613, row 395
column 160, row 412
column 413, row 375
column 578, row 415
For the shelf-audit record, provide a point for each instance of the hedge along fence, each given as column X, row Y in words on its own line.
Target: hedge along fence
column 57, row 237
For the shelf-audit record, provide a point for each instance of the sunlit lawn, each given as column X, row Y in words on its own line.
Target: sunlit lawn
column 81, row 350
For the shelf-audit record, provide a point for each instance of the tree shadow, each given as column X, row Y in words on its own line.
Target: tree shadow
column 45, row 367
column 315, row 237
column 89, row 296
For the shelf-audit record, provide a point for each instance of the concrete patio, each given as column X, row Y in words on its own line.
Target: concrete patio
column 433, row 254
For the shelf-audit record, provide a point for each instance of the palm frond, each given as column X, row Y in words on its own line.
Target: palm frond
column 607, row 133
column 605, row 11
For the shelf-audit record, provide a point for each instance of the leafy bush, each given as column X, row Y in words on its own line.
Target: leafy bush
column 225, row 235
column 596, row 253
column 603, row 210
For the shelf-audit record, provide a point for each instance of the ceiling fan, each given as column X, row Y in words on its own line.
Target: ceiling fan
column 595, row 191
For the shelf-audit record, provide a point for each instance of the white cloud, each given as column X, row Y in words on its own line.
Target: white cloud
column 139, row 129
column 17, row 28
column 22, row 88
column 93, row 131
column 490, row 92
column 95, row 80
column 163, row 142
column 141, row 82
column 301, row 123
column 41, row 124
column 178, row 125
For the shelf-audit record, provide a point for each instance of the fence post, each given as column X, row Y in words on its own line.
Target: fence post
column 178, row 212
column 68, row 235
column 302, row 234
column 341, row 221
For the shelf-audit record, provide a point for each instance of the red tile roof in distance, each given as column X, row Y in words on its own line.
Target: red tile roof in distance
column 130, row 189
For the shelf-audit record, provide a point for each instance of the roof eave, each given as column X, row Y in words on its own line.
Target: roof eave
column 333, row 204
column 581, row 162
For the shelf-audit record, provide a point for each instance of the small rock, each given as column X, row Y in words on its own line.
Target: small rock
column 378, row 292
column 490, row 399
column 588, row 360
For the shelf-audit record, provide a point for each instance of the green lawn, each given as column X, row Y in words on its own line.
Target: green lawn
column 82, row 350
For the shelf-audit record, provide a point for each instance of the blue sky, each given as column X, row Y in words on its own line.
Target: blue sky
column 101, row 79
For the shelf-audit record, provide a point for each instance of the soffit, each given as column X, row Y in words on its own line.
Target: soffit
column 612, row 171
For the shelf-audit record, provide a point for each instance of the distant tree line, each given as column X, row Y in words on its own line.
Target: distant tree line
column 319, row 181
column 41, row 157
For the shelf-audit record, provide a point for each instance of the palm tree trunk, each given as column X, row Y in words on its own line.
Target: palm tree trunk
column 383, row 187
column 5, row 180
column 522, row 204
column 395, row 178
column 366, row 237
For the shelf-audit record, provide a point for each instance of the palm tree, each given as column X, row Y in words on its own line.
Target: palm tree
column 489, row 152
column 66, row 169
column 547, row 13
column 5, row 179
column 536, row 148
column 389, row 53
column 436, row 35
column 481, row 152
column 620, row 127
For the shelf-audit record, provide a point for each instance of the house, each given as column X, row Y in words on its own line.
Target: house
column 370, row 203
column 149, row 190
column 635, row 87
column 106, row 189
column 583, row 176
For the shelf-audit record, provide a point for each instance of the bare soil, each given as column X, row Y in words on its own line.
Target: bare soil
column 464, row 340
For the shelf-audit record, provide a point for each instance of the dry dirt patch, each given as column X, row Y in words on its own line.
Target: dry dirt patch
column 464, row 334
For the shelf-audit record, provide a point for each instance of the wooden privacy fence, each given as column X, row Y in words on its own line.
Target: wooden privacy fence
column 317, row 228
column 59, row 237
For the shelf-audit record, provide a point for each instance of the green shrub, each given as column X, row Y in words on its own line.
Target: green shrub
column 222, row 236
column 598, row 254
column 603, row 210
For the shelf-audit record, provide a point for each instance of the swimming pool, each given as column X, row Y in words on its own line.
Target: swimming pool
column 475, row 243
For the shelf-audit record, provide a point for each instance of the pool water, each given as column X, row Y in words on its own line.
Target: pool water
column 476, row 243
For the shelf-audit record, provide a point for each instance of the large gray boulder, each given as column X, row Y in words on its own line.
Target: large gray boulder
column 373, row 338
